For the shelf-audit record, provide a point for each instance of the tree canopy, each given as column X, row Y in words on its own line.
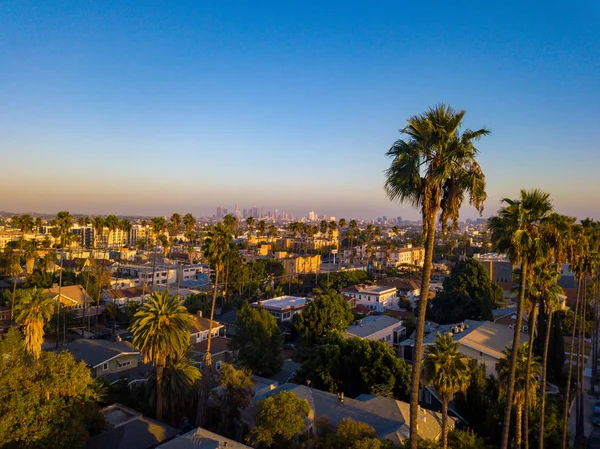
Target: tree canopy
column 354, row 366
column 468, row 293
column 257, row 340
column 323, row 315
column 47, row 403
column 279, row 419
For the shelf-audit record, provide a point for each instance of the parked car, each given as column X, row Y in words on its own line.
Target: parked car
column 102, row 335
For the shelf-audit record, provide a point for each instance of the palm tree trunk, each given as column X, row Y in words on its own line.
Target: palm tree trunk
column 203, row 395
column 567, row 393
column 418, row 350
column 543, row 384
column 14, row 298
column 444, row 423
column 518, row 423
column 513, row 358
column 595, row 341
column 579, row 433
column 58, row 301
column 153, row 267
column 532, row 327
column 159, row 398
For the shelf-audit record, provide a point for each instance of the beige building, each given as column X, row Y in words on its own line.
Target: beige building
column 302, row 264
column 105, row 357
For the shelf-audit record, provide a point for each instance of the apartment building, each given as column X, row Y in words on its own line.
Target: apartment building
column 375, row 297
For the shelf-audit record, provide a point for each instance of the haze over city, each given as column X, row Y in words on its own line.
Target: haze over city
column 153, row 107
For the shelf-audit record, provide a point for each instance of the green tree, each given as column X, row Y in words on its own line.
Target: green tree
column 161, row 328
column 465, row 439
column 46, row 403
column 351, row 434
column 279, row 419
column 354, row 366
column 323, row 315
column 235, row 396
column 434, row 169
column 517, row 230
column 448, row 371
column 468, row 294
column 257, row 340
column 34, row 309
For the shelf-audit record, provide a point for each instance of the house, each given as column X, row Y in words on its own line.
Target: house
column 409, row 289
column 4, row 319
column 376, row 327
column 483, row 341
column 201, row 327
column 283, row 307
column 220, row 352
column 122, row 296
column 508, row 316
column 388, row 417
column 75, row 298
column 376, row 297
column 105, row 358
column 200, row 438
column 129, row 429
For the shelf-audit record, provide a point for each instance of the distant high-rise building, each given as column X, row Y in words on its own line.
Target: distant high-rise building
column 312, row 215
column 224, row 211
column 255, row 212
column 237, row 211
column 219, row 212
column 245, row 213
column 399, row 220
column 384, row 218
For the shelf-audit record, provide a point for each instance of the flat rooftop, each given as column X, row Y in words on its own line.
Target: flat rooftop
column 372, row 324
column 282, row 303
column 373, row 289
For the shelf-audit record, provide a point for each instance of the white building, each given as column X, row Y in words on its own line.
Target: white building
column 283, row 307
column 376, row 327
column 375, row 297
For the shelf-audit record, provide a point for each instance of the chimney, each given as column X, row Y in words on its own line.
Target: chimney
column 200, row 313
column 119, row 338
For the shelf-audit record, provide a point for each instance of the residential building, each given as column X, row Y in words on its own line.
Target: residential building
column 76, row 299
column 508, row 317
column 283, row 307
column 220, row 352
column 4, row 319
column 122, row 296
column 409, row 289
column 105, row 357
column 129, row 429
column 376, row 297
column 200, row 438
column 201, row 328
column 483, row 341
column 378, row 328
column 499, row 268
column 389, row 417
column 302, row 264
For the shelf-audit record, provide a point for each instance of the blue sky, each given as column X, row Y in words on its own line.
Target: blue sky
column 154, row 107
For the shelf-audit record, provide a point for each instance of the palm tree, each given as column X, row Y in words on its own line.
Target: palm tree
column 161, row 328
column 64, row 221
column 448, row 371
column 272, row 232
column 550, row 292
column 523, row 382
column 250, row 222
column 341, row 226
column 517, row 230
column 352, row 231
column 433, row 170
column 159, row 225
column 31, row 256
column 261, row 228
column 179, row 377
column 15, row 271
column 216, row 247
column 34, row 309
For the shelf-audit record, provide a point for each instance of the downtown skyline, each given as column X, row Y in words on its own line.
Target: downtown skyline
column 150, row 110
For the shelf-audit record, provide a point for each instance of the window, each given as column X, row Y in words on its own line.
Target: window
column 387, row 338
column 427, row 397
column 105, row 366
column 218, row 365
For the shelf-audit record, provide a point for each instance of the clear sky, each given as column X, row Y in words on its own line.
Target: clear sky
column 154, row 107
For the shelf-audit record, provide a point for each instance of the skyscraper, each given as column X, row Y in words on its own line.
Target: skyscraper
column 219, row 212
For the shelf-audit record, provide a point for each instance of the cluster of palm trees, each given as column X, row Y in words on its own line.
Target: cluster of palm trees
column 434, row 168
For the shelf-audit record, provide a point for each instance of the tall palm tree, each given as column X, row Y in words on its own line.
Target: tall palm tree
column 433, row 169
column 261, row 228
column 161, row 328
column 179, row 377
column 216, row 247
column 521, row 379
column 549, row 291
column 448, row 371
column 352, row 231
column 15, row 271
column 31, row 256
column 250, row 222
column 34, row 309
column 517, row 230
column 341, row 225
column 159, row 225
